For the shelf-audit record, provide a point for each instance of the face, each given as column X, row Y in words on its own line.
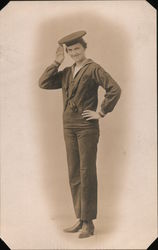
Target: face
column 76, row 52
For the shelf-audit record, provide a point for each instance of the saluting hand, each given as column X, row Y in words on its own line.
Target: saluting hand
column 90, row 115
column 60, row 54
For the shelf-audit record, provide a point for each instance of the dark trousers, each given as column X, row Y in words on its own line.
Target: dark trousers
column 81, row 148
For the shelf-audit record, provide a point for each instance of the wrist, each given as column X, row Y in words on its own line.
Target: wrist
column 57, row 63
column 101, row 114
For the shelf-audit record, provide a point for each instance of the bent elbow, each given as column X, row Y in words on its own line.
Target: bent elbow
column 119, row 91
column 41, row 83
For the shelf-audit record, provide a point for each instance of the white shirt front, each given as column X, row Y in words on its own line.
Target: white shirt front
column 78, row 67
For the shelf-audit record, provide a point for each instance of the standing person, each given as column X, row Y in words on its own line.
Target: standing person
column 79, row 85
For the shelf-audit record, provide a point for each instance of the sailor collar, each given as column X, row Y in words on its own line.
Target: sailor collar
column 87, row 61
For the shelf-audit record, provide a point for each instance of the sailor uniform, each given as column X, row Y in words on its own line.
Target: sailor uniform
column 80, row 92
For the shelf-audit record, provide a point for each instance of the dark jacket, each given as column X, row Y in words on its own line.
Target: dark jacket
column 80, row 92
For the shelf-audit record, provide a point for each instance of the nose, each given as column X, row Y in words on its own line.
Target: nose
column 74, row 53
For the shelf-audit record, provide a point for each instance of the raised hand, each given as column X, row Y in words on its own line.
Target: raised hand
column 60, row 54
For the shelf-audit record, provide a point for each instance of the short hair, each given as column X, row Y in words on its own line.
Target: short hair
column 81, row 41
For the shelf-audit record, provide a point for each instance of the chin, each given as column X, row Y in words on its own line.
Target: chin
column 78, row 59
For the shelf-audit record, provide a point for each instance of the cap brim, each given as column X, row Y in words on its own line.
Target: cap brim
column 72, row 37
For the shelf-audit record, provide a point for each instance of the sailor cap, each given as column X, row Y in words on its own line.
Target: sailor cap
column 72, row 38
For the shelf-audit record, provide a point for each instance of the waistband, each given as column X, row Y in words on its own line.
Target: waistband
column 75, row 120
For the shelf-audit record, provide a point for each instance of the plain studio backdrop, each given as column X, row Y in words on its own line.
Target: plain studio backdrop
column 36, row 202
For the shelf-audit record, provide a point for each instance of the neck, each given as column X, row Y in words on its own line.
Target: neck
column 79, row 63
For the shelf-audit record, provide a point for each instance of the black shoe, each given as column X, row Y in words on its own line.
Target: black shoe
column 87, row 229
column 75, row 228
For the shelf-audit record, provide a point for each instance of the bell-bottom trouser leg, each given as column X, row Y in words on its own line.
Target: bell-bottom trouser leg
column 81, row 148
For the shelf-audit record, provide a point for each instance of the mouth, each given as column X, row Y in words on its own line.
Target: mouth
column 76, row 57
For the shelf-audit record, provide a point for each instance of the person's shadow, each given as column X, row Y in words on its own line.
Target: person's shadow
column 108, row 44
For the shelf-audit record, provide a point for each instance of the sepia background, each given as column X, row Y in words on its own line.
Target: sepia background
column 36, row 202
